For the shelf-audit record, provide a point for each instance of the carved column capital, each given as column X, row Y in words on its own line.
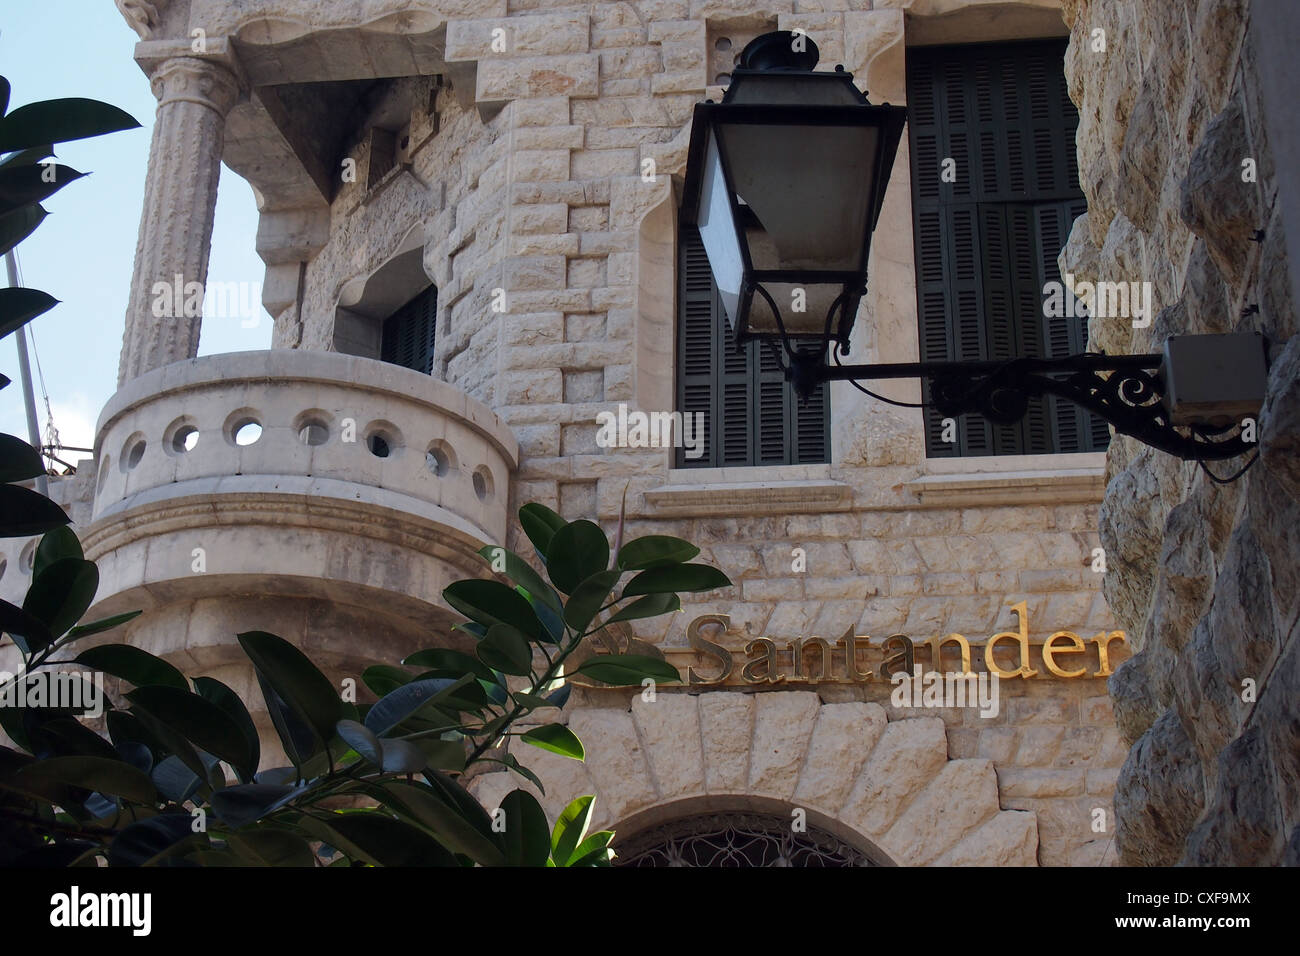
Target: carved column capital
column 189, row 79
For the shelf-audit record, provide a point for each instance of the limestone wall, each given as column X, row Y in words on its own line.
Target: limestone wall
column 1201, row 575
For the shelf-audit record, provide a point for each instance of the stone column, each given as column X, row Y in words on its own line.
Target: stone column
column 180, row 196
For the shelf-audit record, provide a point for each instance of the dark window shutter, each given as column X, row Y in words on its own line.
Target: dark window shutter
column 986, row 243
column 408, row 334
column 742, row 389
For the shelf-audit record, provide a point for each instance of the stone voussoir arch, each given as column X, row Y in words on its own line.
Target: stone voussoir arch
column 891, row 783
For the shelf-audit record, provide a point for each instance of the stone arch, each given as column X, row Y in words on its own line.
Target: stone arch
column 890, row 783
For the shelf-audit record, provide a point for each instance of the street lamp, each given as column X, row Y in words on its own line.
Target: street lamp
column 785, row 179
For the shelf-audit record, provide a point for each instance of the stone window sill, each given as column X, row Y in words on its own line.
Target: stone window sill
column 1011, row 480
column 792, row 489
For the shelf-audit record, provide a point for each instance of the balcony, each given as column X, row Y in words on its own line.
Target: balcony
column 327, row 498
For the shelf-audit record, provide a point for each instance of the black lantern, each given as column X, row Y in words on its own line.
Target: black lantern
column 785, row 181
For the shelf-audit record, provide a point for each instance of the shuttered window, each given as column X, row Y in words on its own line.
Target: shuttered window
column 409, row 333
column 995, row 191
column 751, row 414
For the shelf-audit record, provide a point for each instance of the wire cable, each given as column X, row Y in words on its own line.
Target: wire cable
column 1227, row 481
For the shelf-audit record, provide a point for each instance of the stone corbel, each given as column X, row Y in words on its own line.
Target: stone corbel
column 143, row 16
column 874, row 54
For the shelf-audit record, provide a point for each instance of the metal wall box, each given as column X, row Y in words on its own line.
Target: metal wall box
column 1214, row 379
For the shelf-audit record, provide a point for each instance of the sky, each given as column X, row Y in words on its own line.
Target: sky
column 84, row 251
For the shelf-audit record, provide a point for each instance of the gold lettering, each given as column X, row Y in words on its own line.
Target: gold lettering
column 850, row 644
column 1103, row 641
column 1049, row 652
column 906, row 657
column 705, row 646
column 936, row 651
column 823, row 658
column 1022, row 638
column 750, row 671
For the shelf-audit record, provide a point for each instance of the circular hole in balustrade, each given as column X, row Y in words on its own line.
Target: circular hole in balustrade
column 4, row 566
column 378, row 445
column 482, row 483
column 722, row 43
column 186, row 437
column 247, row 432
column 103, row 473
column 314, row 434
column 722, row 79
column 133, row 452
column 440, row 459
column 27, row 556
column 383, row 439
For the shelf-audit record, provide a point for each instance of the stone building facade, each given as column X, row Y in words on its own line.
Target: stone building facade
column 525, row 159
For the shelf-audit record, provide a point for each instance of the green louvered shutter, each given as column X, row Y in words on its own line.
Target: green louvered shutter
column 759, row 419
column 987, row 241
column 408, row 334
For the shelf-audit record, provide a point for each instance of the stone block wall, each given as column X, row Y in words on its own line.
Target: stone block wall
column 1182, row 191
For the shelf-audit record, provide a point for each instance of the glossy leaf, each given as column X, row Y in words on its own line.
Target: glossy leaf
column 60, row 121
column 18, row 460
column 594, row 850
column 174, row 780
column 211, row 689
column 272, row 847
column 654, row 551
column 241, row 805
column 491, row 602
column 556, row 738
column 441, row 658
column 652, row 605
column 384, row 678
column 677, row 577
column 300, row 742
column 625, row 670
column 452, row 829
column 588, row 598
column 506, row 649
column 296, row 679
column 578, row 550
column 513, row 763
column 360, row 739
column 134, row 665
column 571, row 829
column 17, row 224
column 407, row 700
column 24, row 512
column 62, row 592
column 103, row 624
column 69, row 737
column 522, row 573
column 148, row 841
column 115, row 777
column 200, row 721
column 402, row 756
column 20, row 185
column 19, row 623
column 28, row 157
column 540, row 524
column 379, row 839
column 527, row 838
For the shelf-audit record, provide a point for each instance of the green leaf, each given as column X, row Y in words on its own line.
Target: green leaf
column 267, row 846
column 28, row 157
column 20, row 185
column 384, row 678
column 441, row 658
column 594, row 850
column 527, row 838
column 578, row 550
column 113, row 777
column 54, row 545
column 60, row 121
column 588, row 598
column 402, row 756
column 540, row 524
column 28, row 631
column 300, row 742
column 134, row 665
column 556, row 738
column 624, row 670
column 570, row 829
column 439, row 754
column 531, row 701
column 653, row 551
column 452, row 829
column 200, row 721
column 17, row 224
column 152, row 840
column 652, row 605
column 246, row 803
column 4, row 95
column 506, row 649
column 306, row 691
column 491, row 602
column 379, row 839
column 103, row 624
column 62, row 592
column 20, row 306
column 211, row 689
column 360, row 739
column 393, row 708
column 18, row 460
column 510, row 761
column 677, row 577
column 24, row 512
column 69, row 737
column 522, row 573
